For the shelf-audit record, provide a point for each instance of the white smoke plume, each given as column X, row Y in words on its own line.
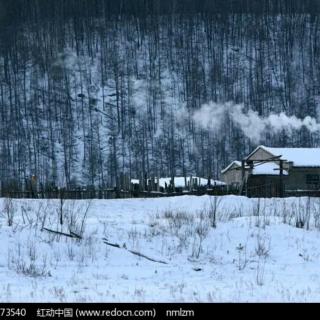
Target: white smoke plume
column 213, row 116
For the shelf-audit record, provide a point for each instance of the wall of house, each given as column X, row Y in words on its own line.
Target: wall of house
column 264, row 186
column 233, row 176
column 269, row 186
column 297, row 179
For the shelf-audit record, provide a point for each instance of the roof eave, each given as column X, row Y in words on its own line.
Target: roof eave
column 305, row 166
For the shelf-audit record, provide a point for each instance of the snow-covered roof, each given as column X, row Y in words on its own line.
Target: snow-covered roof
column 235, row 163
column 300, row 157
column 180, row 182
column 268, row 168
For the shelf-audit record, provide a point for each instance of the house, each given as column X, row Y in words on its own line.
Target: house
column 231, row 175
column 269, row 171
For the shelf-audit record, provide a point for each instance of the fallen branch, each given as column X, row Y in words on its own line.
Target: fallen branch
column 146, row 257
column 197, row 269
column 115, row 245
column 70, row 235
column 111, row 244
column 75, row 235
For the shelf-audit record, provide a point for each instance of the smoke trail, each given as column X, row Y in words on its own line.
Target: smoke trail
column 213, row 116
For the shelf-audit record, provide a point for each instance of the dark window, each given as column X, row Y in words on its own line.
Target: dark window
column 312, row 179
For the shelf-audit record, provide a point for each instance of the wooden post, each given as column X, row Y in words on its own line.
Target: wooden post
column 242, row 169
column 141, row 183
column 251, row 165
column 209, row 181
column 172, row 185
column 281, row 179
column 145, row 182
column 127, row 182
column 152, row 183
column 243, row 162
column 34, row 186
column 121, row 181
column 195, row 185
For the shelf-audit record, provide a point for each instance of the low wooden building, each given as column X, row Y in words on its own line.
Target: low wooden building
column 231, row 175
column 268, row 171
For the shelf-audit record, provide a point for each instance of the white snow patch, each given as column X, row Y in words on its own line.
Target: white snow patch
column 255, row 253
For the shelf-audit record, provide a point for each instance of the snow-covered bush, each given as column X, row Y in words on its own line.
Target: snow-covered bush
column 213, row 210
column 8, row 210
column 26, row 261
column 201, row 231
column 75, row 214
column 242, row 260
column 262, row 251
column 316, row 213
column 36, row 215
column 177, row 220
column 302, row 213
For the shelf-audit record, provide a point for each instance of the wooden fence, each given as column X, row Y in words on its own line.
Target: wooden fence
column 115, row 194
column 264, row 191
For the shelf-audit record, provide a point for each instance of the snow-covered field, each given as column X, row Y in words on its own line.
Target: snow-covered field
column 254, row 253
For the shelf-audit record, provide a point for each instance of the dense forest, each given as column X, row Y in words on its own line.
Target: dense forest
column 91, row 90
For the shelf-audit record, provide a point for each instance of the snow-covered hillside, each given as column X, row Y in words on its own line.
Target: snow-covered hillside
column 94, row 92
column 255, row 252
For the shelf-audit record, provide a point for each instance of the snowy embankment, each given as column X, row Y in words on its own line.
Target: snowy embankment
column 251, row 251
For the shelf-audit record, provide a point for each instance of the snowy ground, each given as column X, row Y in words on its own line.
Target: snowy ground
column 255, row 252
